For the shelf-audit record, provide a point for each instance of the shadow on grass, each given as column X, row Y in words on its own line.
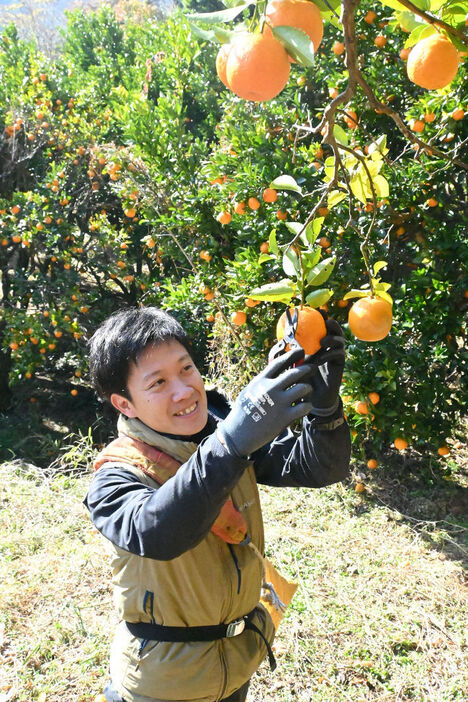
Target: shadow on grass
column 44, row 417
column 429, row 496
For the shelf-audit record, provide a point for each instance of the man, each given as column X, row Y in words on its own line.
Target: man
column 176, row 495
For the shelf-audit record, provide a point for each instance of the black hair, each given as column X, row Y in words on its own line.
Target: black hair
column 121, row 339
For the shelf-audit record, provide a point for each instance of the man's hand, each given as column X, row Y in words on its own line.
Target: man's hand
column 267, row 405
column 326, row 371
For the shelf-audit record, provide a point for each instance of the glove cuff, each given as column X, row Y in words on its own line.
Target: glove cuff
column 325, row 411
column 226, row 442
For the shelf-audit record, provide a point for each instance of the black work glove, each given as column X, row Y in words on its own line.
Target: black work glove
column 326, row 371
column 267, row 405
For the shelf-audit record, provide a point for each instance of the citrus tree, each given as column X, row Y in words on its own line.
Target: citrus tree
column 141, row 178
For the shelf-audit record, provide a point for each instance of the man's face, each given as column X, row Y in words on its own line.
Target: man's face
column 167, row 391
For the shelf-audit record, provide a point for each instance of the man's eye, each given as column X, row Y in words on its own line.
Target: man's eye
column 156, row 383
column 188, row 368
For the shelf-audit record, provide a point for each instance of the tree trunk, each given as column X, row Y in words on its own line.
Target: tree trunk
column 5, row 365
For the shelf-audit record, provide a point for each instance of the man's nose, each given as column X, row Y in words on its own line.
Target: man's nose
column 181, row 390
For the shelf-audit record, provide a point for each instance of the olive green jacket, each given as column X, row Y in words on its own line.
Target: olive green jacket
column 211, row 583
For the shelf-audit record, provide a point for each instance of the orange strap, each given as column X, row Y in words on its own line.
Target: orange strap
column 230, row 525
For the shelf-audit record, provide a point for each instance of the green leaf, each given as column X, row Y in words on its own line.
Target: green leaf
column 340, row 135
column 204, row 34
column 421, row 32
column 381, row 286
column 312, row 230
column 297, row 43
column 355, row 293
column 294, row 227
column 322, row 271
column 266, row 257
column 454, row 13
column 407, row 20
column 221, row 15
column 378, row 266
column 335, row 197
column 286, row 182
column 291, row 262
column 281, row 291
column 384, row 295
column 317, row 298
column 272, row 243
column 311, row 258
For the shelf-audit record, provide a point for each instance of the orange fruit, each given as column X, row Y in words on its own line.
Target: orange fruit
column 370, row 318
column 374, row 397
column 238, row 318
column 324, row 242
column 310, row 328
column 429, row 117
column 264, row 247
column 432, row 202
column 221, row 60
column 270, row 195
column 417, row 126
column 400, row 444
column 458, row 114
column 300, row 14
column 359, row 487
column 380, row 41
column 443, row 451
column 361, row 408
column 433, row 62
column 338, row 48
column 224, row 217
column 372, row 463
column 239, row 208
column 370, row 17
column 351, row 119
column 130, row 212
column 257, row 66
column 253, row 203
column 251, row 303
column 404, row 53
column 281, row 215
column 205, row 255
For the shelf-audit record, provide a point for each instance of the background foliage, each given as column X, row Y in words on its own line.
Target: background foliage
column 118, row 154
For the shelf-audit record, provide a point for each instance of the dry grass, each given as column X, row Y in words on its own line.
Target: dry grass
column 380, row 613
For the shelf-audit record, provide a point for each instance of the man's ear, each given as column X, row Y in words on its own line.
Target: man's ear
column 123, row 405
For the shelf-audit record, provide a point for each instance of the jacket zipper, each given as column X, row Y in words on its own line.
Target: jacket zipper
column 236, row 563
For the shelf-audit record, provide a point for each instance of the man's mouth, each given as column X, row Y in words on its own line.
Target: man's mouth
column 189, row 410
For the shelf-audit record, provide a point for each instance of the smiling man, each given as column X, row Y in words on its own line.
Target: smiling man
column 176, row 496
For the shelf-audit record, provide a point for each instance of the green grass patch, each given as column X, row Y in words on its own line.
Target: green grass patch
column 380, row 612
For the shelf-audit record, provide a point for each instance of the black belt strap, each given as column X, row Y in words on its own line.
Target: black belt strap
column 157, row 632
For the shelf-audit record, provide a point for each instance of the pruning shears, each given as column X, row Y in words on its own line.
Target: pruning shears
column 289, row 338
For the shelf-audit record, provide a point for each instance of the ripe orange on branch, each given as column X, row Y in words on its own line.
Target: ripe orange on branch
column 370, row 318
column 310, row 328
column 300, row 14
column 433, row 62
column 254, row 66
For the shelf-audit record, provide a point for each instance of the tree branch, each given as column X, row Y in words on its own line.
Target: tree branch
column 435, row 21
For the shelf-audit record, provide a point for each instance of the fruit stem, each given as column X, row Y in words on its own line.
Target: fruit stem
column 365, row 257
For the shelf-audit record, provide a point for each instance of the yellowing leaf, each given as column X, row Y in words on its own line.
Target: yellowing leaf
column 381, row 187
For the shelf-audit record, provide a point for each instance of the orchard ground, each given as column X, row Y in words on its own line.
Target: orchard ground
column 380, row 612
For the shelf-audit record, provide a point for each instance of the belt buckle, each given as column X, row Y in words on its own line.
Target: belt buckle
column 235, row 628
